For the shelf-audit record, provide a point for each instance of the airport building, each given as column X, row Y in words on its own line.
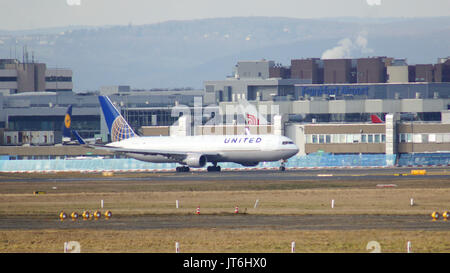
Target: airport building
column 330, row 110
column 34, row 100
column 25, row 114
column 390, row 137
column 366, row 78
column 325, row 106
column 20, row 77
column 361, row 88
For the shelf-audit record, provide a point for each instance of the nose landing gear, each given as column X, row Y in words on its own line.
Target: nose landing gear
column 282, row 166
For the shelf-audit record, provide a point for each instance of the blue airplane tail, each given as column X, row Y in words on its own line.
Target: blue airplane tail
column 118, row 127
column 67, row 122
column 78, row 137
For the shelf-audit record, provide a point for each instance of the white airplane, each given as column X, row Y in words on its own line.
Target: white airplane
column 193, row 151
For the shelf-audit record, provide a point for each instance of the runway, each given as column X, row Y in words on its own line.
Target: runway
column 228, row 221
column 350, row 174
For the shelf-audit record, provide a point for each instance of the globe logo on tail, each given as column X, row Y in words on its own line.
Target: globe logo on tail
column 121, row 130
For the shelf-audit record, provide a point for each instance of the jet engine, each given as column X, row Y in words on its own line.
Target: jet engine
column 195, row 160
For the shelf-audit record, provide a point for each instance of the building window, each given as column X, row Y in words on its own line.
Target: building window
column 383, row 138
column 328, row 138
column 377, row 139
column 8, row 79
column 321, row 139
column 58, row 79
column 370, row 138
column 364, row 138
column 335, row 138
column 432, row 138
column 349, row 139
column 446, row 138
column 417, row 138
column 408, row 137
column 314, row 138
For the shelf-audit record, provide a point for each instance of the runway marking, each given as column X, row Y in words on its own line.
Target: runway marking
column 386, row 185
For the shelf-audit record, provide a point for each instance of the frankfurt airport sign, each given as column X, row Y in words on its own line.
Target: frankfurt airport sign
column 318, row 91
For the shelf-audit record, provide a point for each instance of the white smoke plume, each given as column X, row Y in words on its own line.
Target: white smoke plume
column 342, row 50
column 346, row 46
column 362, row 42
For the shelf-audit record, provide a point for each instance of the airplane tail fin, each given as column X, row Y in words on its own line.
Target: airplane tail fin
column 79, row 138
column 118, row 127
column 67, row 122
column 375, row 119
column 251, row 115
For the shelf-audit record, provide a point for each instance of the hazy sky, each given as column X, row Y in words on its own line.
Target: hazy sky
column 30, row 14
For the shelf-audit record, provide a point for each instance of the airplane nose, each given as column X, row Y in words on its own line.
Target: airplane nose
column 294, row 150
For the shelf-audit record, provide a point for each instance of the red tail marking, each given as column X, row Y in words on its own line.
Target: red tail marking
column 376, row 119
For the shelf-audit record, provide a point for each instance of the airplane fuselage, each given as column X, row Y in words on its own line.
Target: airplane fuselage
column 243, row 149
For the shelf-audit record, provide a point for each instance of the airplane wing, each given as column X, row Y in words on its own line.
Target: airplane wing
column 169, row 154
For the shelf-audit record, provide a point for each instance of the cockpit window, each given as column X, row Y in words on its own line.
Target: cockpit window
column 287, row 142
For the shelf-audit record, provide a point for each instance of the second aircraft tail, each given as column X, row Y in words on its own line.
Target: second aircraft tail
column 67, row 122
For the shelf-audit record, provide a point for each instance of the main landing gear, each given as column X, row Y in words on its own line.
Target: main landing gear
column 214, row 168
column 182, row 169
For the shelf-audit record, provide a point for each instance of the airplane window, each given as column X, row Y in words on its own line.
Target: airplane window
column 287, row 142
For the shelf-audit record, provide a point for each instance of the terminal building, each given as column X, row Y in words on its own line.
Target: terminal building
column 24, row 116
column 35, row 98
column 325, row 106
column 330, row 109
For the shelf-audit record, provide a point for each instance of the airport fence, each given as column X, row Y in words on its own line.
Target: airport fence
column 319, row 160
column 424, row 159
